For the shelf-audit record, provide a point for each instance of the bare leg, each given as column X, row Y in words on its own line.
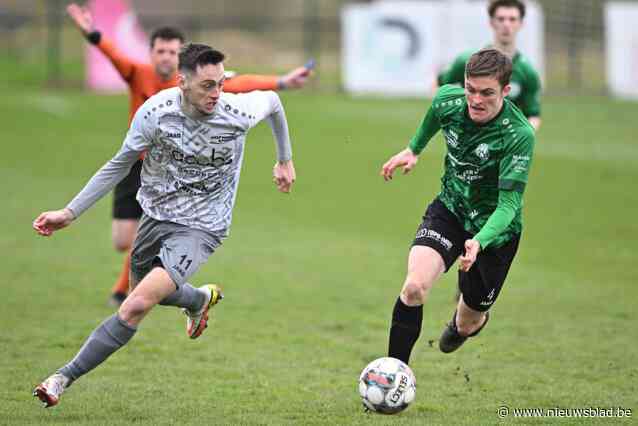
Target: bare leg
column 467, row 319
column 425, row 266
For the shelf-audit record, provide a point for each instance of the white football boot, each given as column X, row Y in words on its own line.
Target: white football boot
column 50, row 390
column 198, row 321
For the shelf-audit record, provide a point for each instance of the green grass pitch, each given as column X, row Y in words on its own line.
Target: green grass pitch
column 310, row 278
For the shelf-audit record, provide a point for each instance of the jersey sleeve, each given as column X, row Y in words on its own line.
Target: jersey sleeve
column 142, row 130
column 125, row 67
column 509, row 202
column 250, row 82
column 516, row 161
column 454, row 73
column 431, row 122
column 266, row 105
column 530, row 101
column 428, row 128
column 104, row 180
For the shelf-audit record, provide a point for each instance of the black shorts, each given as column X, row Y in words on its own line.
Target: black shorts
column 125, row 206
column 480, row 286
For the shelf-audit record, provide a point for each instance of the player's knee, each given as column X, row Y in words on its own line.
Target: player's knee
column 134, row 307
column 467, row 326
column 414, row 291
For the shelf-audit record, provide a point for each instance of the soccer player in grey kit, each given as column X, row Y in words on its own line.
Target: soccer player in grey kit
column 193, row 136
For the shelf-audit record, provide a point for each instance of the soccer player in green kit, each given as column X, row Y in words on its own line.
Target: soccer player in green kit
column 506, row 20
column 477, row 214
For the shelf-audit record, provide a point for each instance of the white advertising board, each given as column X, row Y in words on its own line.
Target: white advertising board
column 398, row 47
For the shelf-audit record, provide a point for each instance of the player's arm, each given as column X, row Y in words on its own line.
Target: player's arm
column 137, row 141
column 513, row 172
column 453, row 73
column 267, row 106
column 407, row 158
column 295, row 79
column 84, row 22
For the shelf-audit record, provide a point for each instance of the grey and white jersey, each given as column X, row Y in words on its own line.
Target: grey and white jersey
column 191, row 169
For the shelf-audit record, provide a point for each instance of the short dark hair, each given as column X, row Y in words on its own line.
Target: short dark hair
column 167, row 33
column 495, row 4
column 490, row 62
column 194, row 54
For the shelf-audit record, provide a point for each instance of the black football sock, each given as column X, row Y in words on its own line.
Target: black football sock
column 405, row 330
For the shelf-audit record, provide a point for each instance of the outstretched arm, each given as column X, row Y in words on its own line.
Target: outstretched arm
column 407, row 158
column 83, row 20
column 284, row 170
column 99, row 185
column 267, row 106
column 295, row 79
column 138, row 139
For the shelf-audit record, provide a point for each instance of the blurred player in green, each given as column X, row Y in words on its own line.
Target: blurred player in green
column 477, row 215
column 506, row 20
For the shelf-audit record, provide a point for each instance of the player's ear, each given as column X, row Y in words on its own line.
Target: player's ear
column 506, row 90
column 182, row 81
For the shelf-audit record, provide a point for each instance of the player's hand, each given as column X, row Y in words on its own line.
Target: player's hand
column 472, row 248
column 406, row 159
column 284, row 175
column 49, row 222
column 81, row 17
column 295, row 79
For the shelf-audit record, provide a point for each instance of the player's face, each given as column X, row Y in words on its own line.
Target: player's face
column 484, row 97
column 506, row 23
column 164, row 56
column 203, row 88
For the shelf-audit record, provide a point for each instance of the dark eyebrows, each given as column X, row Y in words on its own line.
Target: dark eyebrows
column 485, row 92
column 217, row 83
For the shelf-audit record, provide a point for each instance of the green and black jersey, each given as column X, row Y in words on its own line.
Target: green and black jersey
column 525, row 82
column 483, row 161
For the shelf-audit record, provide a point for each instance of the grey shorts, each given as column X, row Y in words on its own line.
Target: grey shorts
column 180, row 250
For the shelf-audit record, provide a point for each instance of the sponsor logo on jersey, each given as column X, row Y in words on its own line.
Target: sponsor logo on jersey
column 520, row 163
column 223, row 138
column 482, row 151
column 451, row 138
column 157, row 153
column 469, row 175
column 218, row 157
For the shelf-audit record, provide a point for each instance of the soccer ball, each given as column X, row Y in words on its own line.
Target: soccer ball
column 387, row 386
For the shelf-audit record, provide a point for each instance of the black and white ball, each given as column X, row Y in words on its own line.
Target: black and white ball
column 387, row 386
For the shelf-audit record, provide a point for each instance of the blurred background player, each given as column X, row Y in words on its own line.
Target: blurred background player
column 506, row 20
column 187, row 213
column 477, row 214
column 145, row 80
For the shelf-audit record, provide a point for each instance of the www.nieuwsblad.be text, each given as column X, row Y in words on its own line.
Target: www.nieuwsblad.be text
column 615, row 412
